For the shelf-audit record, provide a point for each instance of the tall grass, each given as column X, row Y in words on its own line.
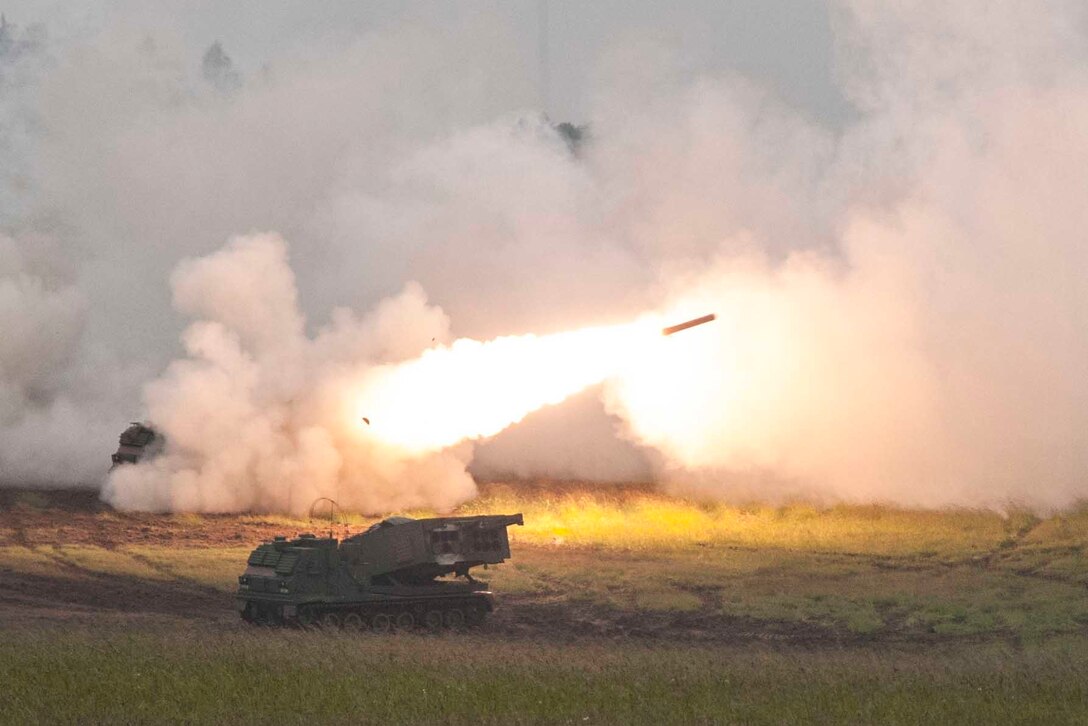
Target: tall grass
column 185, row 676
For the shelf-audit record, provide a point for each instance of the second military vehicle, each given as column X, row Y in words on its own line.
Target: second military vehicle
column 386, row 577
column 138, row 442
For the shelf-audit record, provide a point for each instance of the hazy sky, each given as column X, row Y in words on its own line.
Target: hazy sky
column 786, row 44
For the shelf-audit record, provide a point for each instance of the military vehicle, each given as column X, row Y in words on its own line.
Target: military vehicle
column 139, row 441
column 384, row 578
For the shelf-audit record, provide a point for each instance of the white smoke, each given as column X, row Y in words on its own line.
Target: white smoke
column 41, row 316
column 932, row 359
column 901, row 316
column 259, row 417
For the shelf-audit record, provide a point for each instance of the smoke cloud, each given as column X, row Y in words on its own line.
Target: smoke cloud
column 901, row 316
column 258, row 416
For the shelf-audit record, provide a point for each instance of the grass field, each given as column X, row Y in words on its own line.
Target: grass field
column 181, row 674
column 619, row 606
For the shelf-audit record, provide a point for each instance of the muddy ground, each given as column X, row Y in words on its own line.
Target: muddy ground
column 81, row 518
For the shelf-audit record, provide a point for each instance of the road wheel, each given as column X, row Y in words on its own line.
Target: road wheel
column 405, row 621
column 381, row 623
column 331, row 621
column 305, row 617
column 354, row 621
column 433, row 620
column 455, row 619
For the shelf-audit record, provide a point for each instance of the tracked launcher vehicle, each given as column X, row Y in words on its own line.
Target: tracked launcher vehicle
column 140, row 441
column 384, row 578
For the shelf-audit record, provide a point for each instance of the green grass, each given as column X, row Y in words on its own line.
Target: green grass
column 906, row 617
column 875, row 596
column 216, row 567
column 97, row 560
column 870, row 596
column 31, row 560
column 667, row 600
column 188, row 675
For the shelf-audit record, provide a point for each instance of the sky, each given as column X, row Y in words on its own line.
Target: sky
column 784, row 43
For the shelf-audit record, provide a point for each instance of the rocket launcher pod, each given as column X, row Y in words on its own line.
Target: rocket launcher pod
column 419, row 550
column 385, row 577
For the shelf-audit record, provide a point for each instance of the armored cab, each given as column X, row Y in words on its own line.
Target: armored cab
column 389, row 576
column 138, row 442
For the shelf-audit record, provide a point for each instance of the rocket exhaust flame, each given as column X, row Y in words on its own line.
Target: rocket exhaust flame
column 472, row 389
